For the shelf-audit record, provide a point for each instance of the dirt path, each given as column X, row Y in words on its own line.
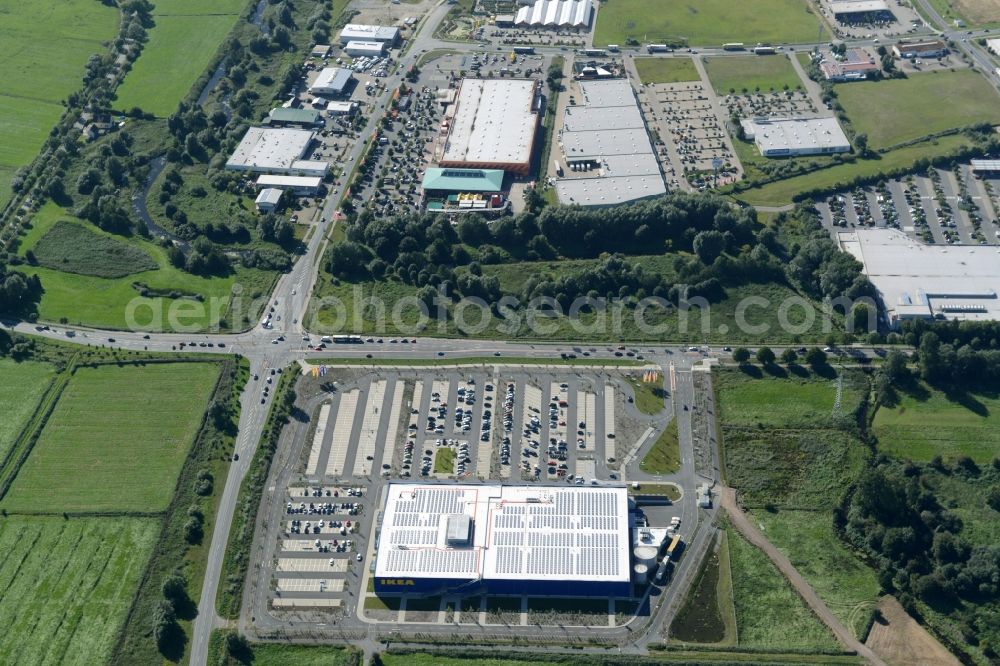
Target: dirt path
column 900, row 639
column 754, row 536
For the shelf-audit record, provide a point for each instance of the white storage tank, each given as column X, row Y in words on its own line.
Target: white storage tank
column 645, row 555
column 640, row 574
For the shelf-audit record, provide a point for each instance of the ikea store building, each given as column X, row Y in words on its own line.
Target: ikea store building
column 569, row 541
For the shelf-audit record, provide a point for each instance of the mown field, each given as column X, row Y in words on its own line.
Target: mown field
column 21, row 387
column 973, row 12
column 893, row 111
column 706, row 23
column 747, row 74
column 666, row 70
column 271, row 654
column 45, row 45
column 89, row 300
column 927, row 422
column 184, row 37
column 665, row 455
column 67, row 585
column 780, row 193
column 73, row 248
column 123, row 431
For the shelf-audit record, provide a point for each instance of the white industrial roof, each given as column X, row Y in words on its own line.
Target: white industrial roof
column 796, row 134
column 264, row 149
column 494, row 121
column 377, row 33
column 587, row 118
column 608, row 191
column 985, row 165
column 341, row 107
column 574, row 13
column 611, row 92
column 917, row 280
column 358, row 45
column 517, row 532
column 269, row 195
column 267, row 180
column 331, row 79
column 596, row 144
column 858, row 6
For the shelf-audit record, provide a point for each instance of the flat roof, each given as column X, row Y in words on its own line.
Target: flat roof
column 796, row 134
column 269, row 195
column 858, row 6
column 463, row 180
column 289, row 115
column 589, row 118
column 360, row 32
column 365, row 45
column 918, row 280
column 985, row 165
column 332, row 78
column 493, row 122
column 594, row 145
column 264, row 148
column 517, row 533
column 608, row 191
column 288, row 181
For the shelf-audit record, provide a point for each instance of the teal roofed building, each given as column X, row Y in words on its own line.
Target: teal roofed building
column 438, row 180
column 284, row 116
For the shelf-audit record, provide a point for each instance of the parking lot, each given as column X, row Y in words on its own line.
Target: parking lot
column 940, row 206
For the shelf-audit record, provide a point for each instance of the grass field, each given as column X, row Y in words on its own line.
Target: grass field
column 710, row 22
column 769, row 614
column 444, row 461
column 893, row 111
column 973, row 12
column 74, row 248
column 781, row 192
column 928, row 422
column 751, row 73
column 185, row 36
column 22, row 386
column 665, row 456
column 124, row 431
column 648, row 396
column 848, row 587
column 103, row 302
column 45, row 45
column 277, row 654
column 67, row 585
column 666, row 70
column 707, row 615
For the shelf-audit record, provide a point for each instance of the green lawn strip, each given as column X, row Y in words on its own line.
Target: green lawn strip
column 126, row 432
column 780, row 193
column 73, row 248
column 444, row 461
column 700, row 618
column 666, row 70
column 665, row 456
column 707, row 23
column 667, row 489
column 498, row 656
column 237, row 560
column 282, row 654
column 648, row 396
column 769, row 614
column 383, row 603
column 848, row 587
column 751, row 74
column 68, row 585
column 475, row 360
column 23, row 385
column 927, row 422
column 893, row 111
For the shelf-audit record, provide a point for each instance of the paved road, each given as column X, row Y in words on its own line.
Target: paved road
column 754, row 536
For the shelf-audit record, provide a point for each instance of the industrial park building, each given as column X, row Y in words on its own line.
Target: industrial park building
column 277, row 151
column 556, row 14
column 331, row 81
column 492, row 125
column 861, row 11
column 354, row 32
column 932, row 49
column 784, row 137
column 605, row 141
column 539, row 540
column 357, row 48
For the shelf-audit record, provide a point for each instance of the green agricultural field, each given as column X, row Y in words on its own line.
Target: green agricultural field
column 21, row 387
column 665, row 455
column 752, row 401
column 68, row 584
column 705, row 23
column 927, row 422
column 666, row 70
column 73, row 248
column 751, row 73
column 199, row 302
column 769, row 614
column 185, row 36
column 46, row 44
column 893, row 111
column 124, row 431
column 848, row 587
column 981, row 13
column 781, row 192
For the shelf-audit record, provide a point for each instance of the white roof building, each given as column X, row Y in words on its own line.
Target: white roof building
column 781, row 137
column 917, row 281
column 359, row 48
column 297, row 184
column 272, row 150
column 369, row 33
column 268, row 199
column 493, row 125
column 331, row 81
column 842, row 7
column 556, row 13
column 573, row 541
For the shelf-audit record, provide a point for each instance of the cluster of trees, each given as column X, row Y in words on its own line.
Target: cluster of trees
column 955, row 352
column 18, row 292
column 175, row 603
column 815, row 357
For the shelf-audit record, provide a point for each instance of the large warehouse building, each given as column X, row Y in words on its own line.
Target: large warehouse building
column 332, row 81
column 492, row 125
column 277, row 151
column 504, row 540
column 556, row 14
column 354, row 32
column 784, row 137
column 606, row 148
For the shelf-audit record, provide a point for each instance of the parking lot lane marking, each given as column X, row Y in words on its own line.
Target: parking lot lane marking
column 311, row 565
column 389, row 446
column 369, row 428
column 342, row 432
column 317, row 443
